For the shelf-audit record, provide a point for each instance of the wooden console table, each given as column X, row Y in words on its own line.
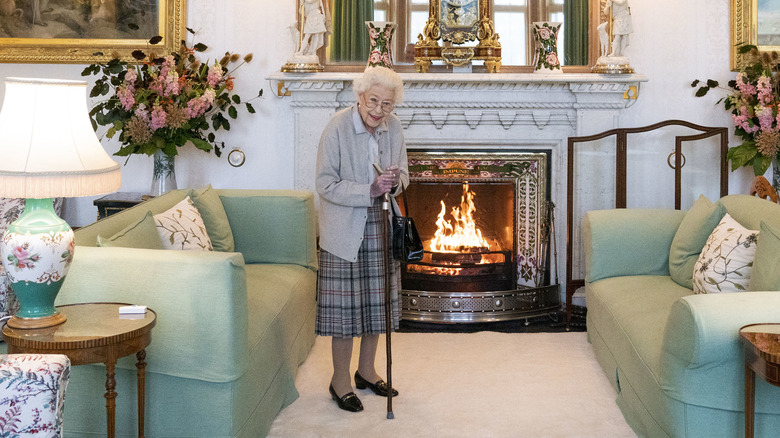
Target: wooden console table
column 762, row 357
column 94, row 333
column 116, row 202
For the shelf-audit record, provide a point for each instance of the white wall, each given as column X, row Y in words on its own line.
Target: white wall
column 673, row 43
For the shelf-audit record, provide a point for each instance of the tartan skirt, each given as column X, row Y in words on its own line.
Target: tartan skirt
column 351, row 295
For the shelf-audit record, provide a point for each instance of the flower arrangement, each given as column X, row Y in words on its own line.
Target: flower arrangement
column 546, row 36
column 165, row 102
column 753, row 102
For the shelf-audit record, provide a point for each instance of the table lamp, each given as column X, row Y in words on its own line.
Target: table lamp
column 48, row 149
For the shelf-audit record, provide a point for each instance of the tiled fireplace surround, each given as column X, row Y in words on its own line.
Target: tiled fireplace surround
column 468, row 112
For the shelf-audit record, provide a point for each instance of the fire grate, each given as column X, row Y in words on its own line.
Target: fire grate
column 502, row 277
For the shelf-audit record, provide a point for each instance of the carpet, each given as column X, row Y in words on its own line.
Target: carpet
column 483, row 384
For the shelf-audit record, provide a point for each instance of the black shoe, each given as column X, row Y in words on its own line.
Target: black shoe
column 379, row 388
column 349, row 402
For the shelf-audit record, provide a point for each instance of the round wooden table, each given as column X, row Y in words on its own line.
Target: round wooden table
column 94, row 333
column 762, row 357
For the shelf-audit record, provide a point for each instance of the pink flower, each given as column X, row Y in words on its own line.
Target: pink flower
column 388, row 32
column 765, row 117
column 373, row 33
column 130, row 77
column 386, row 59
column 741, row 120
column 744, row 86
column 552, row 59
column 168, row 65
column 158, row 118
column 197, row 107
column 126, row 97
column 172, row 86
column 544, row 33
column 142, row 112
column 208, row 96
column 375, row 57
column 23, row 257
column 215, row 75
column 764, row 86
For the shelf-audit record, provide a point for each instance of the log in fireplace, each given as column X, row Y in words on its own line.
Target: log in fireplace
column 482, row 219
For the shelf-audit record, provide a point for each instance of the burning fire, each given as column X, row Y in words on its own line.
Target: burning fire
column 462, row 236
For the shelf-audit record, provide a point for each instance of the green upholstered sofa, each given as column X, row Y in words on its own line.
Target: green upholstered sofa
column 674, row 358
column 232, row 327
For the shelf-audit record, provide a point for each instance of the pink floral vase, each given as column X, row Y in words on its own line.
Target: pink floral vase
column 546, row 37
column 380, row 36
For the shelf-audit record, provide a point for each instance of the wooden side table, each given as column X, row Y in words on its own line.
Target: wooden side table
column 116, row 202
column 762, row 357
column 94, row 333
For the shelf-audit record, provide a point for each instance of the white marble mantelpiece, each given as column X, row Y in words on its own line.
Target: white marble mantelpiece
column 468, row 111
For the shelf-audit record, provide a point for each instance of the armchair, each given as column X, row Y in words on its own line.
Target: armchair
column 32, row 394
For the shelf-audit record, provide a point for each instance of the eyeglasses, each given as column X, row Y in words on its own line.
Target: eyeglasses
column 372, row 103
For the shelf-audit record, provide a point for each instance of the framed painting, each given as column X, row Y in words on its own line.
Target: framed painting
column 87, row 31
column 755, row 22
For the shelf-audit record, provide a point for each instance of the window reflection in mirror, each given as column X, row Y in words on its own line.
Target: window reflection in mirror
column 348, row 44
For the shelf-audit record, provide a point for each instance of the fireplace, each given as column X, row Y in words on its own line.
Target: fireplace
column 469, row 112
column 480, row 216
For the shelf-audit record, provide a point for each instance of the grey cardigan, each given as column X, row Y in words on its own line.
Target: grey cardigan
column 343, row 180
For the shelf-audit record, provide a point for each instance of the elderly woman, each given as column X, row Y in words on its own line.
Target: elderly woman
column 351, row 282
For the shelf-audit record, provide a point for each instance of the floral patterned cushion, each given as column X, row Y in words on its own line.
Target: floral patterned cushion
column 726, row 262
column 181, row 227
column 32, row 394
column 10, row 209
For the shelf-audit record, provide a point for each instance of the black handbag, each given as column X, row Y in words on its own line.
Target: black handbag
column 407, row 246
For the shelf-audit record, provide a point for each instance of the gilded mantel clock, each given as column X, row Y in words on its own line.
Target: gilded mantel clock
column 456, row 23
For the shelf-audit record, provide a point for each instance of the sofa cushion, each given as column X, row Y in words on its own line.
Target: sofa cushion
column 643, row 236
column 726, row 261
column 274, row 226
column 181, row 227
column 766, row 275
column 751, row 210
column 139, row 234
column 211, row 210
column 695, row 228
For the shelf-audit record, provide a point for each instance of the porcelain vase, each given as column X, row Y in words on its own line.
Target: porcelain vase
column 380, row 36
column 163, row 175
column 546, row 58
column 36, row 251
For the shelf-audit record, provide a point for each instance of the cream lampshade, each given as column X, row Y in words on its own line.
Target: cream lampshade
column 48, row 149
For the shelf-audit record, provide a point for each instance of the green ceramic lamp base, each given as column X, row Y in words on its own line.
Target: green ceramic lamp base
column 36, row 252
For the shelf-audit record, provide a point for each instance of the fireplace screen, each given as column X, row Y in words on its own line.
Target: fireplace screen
column 481, row 217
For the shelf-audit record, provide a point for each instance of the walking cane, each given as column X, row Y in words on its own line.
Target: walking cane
column 388, row 301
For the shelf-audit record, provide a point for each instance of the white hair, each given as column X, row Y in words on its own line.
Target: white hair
column 379, row 76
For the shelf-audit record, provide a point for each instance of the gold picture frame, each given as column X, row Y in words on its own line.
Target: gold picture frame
column 36, row 49
column 744, row 30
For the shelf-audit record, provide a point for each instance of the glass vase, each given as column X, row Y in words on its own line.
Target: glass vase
column 163, row 175
column 380, row 37
column 545, row 35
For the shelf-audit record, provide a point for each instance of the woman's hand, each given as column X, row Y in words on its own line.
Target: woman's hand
column 385, row 182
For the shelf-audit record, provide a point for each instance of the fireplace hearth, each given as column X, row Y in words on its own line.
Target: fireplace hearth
column 480, row 216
